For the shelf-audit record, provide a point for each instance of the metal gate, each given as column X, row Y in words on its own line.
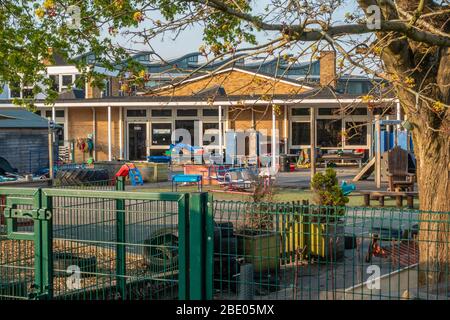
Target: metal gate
column 89, row 244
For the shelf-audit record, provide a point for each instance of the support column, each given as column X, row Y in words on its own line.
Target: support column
column 94, row 134
column 109, row 135
column 378, row 152
column 121, row 132
column 274, row 141
column 220, row 131
column 286, row 110
column 312, row 112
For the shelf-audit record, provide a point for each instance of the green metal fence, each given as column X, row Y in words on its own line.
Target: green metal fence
column 299, row 251
column 90, row 244
column 96, row 244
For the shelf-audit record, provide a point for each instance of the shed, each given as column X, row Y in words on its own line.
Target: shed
column 24, row 139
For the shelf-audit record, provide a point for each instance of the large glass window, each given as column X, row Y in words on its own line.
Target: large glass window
column 137, row 113
column 66, row 80
column 55, row 82
column 356, row 133
column 301, row 133
column 210, row 133
column 161, row 134
column 162, row 113
column 58, row 114
column 329, row 111
column 187, row 112
column 300, row 111
column 211, row 112
column 329, row 132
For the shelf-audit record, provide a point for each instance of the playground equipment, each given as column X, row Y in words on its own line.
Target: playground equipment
column 347, row 188
column 187, row 178
column 385, row 141
column 130, row 170
column 194, row 151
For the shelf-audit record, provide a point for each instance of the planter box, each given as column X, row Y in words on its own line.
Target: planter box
column 152, row 171
column 262, row 250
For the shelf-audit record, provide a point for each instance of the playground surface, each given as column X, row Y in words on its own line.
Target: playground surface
column 289, row 186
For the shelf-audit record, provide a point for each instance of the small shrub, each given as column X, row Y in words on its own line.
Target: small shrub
column 327, row 192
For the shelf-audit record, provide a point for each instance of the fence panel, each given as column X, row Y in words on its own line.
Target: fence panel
column 19, row 268
column 116, row 245
column 293, row 251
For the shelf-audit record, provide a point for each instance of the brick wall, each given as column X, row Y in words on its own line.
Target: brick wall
column 25, row 149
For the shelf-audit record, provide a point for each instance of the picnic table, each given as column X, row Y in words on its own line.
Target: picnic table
column 187, row 178
column 398, row 195
column 343, row 157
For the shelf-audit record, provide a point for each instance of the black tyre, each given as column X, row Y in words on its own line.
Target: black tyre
column 63, row 260
column 161, row 250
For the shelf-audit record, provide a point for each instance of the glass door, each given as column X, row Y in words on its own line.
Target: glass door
column 137, row 137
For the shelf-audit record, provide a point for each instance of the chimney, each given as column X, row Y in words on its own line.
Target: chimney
column 328, row 68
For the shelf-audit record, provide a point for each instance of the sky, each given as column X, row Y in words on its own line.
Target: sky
column 191, row 39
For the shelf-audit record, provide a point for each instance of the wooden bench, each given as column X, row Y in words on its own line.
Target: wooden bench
column 398, row 195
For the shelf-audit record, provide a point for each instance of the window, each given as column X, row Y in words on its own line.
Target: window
column 300, row 111
column 66, row 81
column 162, row 113
column 137, row 113
column 161, row 134
column 60, row 135
column 107, row 88
column 210, row 133
column 357, row 112
column 356, row 133
column 211, row 112
column 329, row 132
column 301, row 133
column 58, row 114
column 55, row 82
column 329, row 111
column 27, row 93
column 187, row 112
column 14, row 89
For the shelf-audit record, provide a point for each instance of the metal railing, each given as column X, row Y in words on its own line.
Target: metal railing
column 95, row 244
column 298, row 251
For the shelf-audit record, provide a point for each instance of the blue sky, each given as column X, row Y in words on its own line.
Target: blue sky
column 191, row 39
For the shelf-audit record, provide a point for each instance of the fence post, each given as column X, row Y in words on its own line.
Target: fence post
column 201, row 233
column 46, row 229
column 120, row 239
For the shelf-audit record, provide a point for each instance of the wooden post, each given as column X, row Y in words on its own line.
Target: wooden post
column 378, row 152
column 313, row 142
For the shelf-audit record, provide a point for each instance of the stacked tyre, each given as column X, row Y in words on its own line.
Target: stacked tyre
column 226, row 266
column 80, row 176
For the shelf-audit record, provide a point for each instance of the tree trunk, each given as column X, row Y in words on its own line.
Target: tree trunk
column 432, row 151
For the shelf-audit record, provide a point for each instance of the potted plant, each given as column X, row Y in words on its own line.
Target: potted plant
column 257, row 240
column 326, row 231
